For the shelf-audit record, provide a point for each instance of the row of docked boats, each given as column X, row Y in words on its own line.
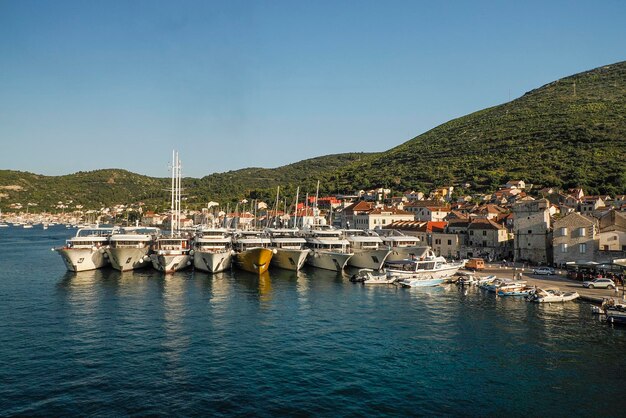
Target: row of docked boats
column 517, row 287
column 216, row 249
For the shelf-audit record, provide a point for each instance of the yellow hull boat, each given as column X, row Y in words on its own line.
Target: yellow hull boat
column 254, row 260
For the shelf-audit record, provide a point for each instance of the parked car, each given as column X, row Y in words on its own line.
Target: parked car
column 600, row 283
column 544, row 270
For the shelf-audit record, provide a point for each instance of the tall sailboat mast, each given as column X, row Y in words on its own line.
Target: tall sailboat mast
column 276, row 207
column 172, row 209
column 176, row 193
column 295, row 216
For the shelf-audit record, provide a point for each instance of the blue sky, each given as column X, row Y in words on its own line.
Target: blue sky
column 86, row 85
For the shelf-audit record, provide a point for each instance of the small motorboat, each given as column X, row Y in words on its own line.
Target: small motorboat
column 514, row 289
column 551, row 295
column 421, row 282
column 368, row 276
column 466, row 279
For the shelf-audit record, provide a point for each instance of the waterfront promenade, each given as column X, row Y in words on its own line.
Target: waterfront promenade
column 558, row 280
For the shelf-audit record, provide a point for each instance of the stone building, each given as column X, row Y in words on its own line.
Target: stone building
column 488, row 239
column 532, row 231
column 575, row 239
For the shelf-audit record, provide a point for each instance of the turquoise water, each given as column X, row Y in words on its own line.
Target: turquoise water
column 312, row 343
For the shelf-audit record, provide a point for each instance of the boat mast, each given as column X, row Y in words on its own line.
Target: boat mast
column 316, row 210
column 295, row 216
column 172, row 208
column 276, row 207
column 179, row 191
column 306, row 208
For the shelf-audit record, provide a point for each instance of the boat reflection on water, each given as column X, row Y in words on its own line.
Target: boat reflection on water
column 265, row 287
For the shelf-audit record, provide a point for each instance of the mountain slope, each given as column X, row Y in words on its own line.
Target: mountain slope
column 102, row 188
column 571, row 132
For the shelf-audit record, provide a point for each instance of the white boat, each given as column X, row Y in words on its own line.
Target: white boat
column 551, row 295
column 252, row 251
column 130, row 248
column 368, row 248
column 496, row 284
column 421, row 281
column 172, row 253
column 401, row 246
column 290, row 248
column 467, row 279
column 27, row 226
column 377, row 278
column 428, row 266
column 329, row 250
column 515, row 289
column 213, row 250
column 86, row 250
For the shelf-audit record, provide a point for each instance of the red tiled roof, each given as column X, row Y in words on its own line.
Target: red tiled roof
column 484, row 224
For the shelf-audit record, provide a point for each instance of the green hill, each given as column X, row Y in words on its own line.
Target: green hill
column 104, row 188
column 571, row 132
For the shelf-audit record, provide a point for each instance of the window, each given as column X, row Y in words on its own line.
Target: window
column 582, row 248
column 563, row 231
column 471, row 232
column 449, row 242
column 530, row 231
column 563, row 248
column 581, row 232
column 437, row 241
column 484, row 233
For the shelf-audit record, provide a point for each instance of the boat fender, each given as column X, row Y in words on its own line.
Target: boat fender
column 191, row 252
column 188, row 263
column 274, row 251
column 105, row 255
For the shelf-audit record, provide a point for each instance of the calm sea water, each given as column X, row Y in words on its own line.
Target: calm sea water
column 311, row 343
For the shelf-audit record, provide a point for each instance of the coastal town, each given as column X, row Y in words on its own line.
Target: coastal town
column 561, row 228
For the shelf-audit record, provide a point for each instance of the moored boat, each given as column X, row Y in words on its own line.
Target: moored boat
column 213, row 250
column 368, row 248
column 369, row 276
column 130, row 248
column 290, row 248
column 428, row 266
column 171, row 253
column 252, row 252
column 87, row 249
column 551, row 295
column 401, row 246
column 329, row 250
column 515, row 289
column 421, row 281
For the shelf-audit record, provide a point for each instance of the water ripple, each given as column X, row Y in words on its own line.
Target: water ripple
column 307, row 343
